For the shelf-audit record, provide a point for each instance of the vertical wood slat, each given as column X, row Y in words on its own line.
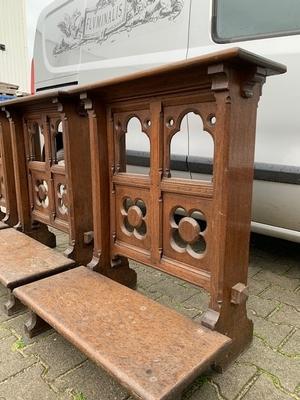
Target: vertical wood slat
column 78, row 175
column 20, row 172
column 99, row 167
column 11, row 213
column 156, row 163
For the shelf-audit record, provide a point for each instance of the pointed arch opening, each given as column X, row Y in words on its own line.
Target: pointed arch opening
column 192, row 149
column 135, row 148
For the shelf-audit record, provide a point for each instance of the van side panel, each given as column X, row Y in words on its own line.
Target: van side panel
column 143, row 34
column 278, row 125
column 56, row 57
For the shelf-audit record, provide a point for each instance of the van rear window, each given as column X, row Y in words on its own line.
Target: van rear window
column 236, row 20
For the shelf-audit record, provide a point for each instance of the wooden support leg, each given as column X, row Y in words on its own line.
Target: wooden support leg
column 35, row 325
column 122, row 273
column 233, row 322
column 41, row 233
column 117, row 268
column 13, row 305
column 79, row 251
column 119, row 271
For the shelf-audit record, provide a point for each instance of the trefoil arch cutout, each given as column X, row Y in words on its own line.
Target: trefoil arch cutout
column 134, row 143
column 58, row 152
column 190, row 144
column 35, row 131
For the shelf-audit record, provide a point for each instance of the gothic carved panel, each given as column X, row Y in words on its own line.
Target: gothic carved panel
column 177, row 212
column 40, row 194
column 46, row 169
column 133, row 219
column 61, row 198
column 186, row 229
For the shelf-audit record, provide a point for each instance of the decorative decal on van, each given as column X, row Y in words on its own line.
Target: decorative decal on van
column 110, row 17
column 100, row 22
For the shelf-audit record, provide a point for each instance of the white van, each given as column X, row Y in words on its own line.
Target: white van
column 81, row 41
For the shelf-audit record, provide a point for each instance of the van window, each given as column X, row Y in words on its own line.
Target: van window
column 250, row 19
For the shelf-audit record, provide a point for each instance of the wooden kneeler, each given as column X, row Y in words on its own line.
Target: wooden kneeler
column 24, row 260
column 48, row 136
column 154, row 352
column 35, row 193
column 52, row 147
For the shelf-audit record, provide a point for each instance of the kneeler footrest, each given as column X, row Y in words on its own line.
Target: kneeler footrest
column 24, row 260
column 150, row 349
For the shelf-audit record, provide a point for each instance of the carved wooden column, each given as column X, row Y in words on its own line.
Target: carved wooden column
column 236, row 94
column 78, row 177
column 116, row 268
column 7, row 180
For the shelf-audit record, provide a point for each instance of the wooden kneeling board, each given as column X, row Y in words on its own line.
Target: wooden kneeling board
column 150, row 349
column 24, row 260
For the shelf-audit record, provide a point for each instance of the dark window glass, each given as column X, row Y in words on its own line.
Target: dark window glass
column 246, row 19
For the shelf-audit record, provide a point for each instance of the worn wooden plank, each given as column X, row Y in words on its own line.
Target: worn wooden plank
column 24, row 260
column 152, row 350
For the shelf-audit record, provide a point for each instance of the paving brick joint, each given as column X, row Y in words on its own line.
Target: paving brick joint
column 49, row 368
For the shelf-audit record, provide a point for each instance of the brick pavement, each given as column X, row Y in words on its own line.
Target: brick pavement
column 49, row 368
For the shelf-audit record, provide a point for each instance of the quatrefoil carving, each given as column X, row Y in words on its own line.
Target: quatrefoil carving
column 62, row 196
column 134, row 213
column 41, row 190
column 188, row 231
